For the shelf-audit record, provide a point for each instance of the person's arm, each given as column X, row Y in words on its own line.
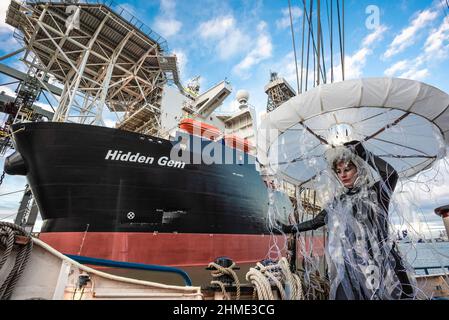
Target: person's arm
column 313, row 224
column 387, row 173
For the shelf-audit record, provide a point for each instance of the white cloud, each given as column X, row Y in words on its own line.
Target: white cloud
column 166, row 23
column 284, row 22
column 437, row 44
column 8, row 91
column 409, row 69
column 217, row 28
column 261, row 51
column 398, row 66
column 429, row 188
column 374, row 36
column 436, row 48
column 44, row 106
column 168, row 5
column 110, row 123
column 407, row 36
column 415, row 199
column 355, row 63
column 167, row 27
column 182, row 60
column 231, row 106
column 224, row 35
column 415, row 74
column 286, row 68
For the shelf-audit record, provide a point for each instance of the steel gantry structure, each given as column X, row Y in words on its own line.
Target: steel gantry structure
column 101, row 54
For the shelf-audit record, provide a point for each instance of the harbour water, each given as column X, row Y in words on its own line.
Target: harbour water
column 424, row 255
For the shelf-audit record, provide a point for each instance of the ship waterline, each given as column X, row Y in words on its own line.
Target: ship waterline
column 171, row 249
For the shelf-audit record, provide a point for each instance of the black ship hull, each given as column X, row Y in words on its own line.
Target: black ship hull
column 118, row 195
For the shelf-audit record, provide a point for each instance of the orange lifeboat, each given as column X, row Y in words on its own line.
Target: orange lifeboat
column 237, row 143
column 199, row 128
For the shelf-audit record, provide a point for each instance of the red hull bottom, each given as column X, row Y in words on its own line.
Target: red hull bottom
column 169, row 249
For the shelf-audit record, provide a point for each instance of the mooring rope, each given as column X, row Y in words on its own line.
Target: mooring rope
column 221, row 271
column 261, row 284
column 288, row 284
column 8, row 234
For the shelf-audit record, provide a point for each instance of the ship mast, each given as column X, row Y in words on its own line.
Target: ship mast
column 317, row 43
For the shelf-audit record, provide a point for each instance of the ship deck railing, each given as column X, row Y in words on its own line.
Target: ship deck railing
column 432, row 270
column 124, row 14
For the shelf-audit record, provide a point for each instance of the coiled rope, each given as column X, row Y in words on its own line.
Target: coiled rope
column 8, row 234
column 262, row 286
column 221, row 271
column 289, row 284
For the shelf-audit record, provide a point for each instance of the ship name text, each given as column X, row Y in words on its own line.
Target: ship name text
column 118, row 155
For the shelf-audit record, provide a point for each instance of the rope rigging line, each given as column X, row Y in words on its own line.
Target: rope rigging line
column 302, row 47
column 341, row 40
column 320, row 52
column 8, row 216
column 311, row 34
column 293, row 43
column 319, row 44
column 445, row 7
column 2, row 177
column 323, row 62
column 308, row 44
column 319, row 34
column 330, row 20
column 5, row 194
column 343, row 34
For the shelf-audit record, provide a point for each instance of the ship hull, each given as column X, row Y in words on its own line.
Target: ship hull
column 173, row 249
column 106, row 193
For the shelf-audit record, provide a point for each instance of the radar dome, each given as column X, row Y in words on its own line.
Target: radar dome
column 242, row 96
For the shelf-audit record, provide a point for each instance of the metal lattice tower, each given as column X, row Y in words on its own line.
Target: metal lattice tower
column 101, row 54
column 21, row 108
column 278, row 91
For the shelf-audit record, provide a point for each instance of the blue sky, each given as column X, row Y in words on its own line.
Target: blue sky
column 242, row 41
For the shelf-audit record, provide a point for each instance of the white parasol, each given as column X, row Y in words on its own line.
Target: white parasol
column 405, row 122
